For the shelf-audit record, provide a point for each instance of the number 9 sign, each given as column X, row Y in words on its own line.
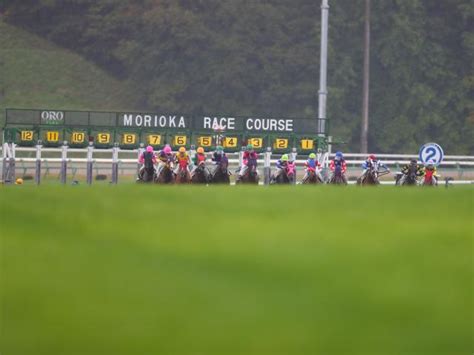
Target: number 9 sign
column 431, row 153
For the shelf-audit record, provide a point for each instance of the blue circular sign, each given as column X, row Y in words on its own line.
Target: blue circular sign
column 431, row 153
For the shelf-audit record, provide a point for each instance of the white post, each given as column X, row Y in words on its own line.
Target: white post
column 90, row 162
column 323, row 69
column 64, row 162
column 38, row 163
column 267, row 166
column 115, row 151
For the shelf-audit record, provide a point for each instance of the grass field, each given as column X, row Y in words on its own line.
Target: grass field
column 236, row 270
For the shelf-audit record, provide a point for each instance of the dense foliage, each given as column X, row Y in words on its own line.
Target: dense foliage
column 262, row 58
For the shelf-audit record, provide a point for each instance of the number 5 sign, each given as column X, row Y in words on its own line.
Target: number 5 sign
column 431, row 153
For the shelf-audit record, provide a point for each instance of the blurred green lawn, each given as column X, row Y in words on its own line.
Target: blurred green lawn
column 236, row 270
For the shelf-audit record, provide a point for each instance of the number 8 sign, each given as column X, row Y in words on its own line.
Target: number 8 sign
column 431, row 153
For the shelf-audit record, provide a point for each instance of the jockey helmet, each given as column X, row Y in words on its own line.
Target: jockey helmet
column 167, row 149
column 182, row 150
column 284, row 157
column 200, row 150
column 149, row 149
column 312, row 156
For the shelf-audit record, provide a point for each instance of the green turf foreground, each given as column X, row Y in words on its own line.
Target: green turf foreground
column 236, row 270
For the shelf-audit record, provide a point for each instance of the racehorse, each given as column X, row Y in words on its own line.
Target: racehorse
column 199, row 175
column 147, row 175
column 337, row 177
column 370, row 177
column 183, row 176
column 166, row 175
column 251, row 175
column 312, row 177
column 288, row 175
column 221, row 173
column 409, row 179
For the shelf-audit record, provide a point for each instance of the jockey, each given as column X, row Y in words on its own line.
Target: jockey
column 200, row 158
column 217, row 157
column 165, row 156
column 370, row 162
column 181, row 158
column 430, row 172
column 312, row 164
column 249, row 154
column 281, row 165
column 339, row 161
column 148, row 159
column 413, row 166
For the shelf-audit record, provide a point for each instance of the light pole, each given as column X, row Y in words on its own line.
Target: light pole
column 323, row 92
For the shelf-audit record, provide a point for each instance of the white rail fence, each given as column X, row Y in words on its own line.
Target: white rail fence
column 84, row 161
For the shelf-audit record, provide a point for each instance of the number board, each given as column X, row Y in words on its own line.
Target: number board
column 26, row 136
column 52, row 136
column 431, row 153
column 204, row 141
column 307, row 144
column 129, row 138
column 230, row 142
column 78, row 137
column 153, row 139
column 280, row 143
column 256, row 142
column 103, row 138
column 180, row 140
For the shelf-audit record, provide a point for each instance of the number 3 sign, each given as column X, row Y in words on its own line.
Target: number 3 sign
column 431, row 153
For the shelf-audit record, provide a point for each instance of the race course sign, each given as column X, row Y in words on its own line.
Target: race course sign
column 431, row 153
column 130, row 129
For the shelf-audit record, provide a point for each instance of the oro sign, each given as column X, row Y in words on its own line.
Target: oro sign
column 431, row 153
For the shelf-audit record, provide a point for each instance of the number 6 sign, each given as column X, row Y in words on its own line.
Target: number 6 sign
column 431, row 153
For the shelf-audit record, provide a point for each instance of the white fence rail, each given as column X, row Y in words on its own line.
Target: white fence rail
column 89, row 159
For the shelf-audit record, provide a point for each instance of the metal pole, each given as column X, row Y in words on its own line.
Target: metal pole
column 38, row 163
column 141, row 149
column 64, row 163
column 90, row 162
column 267, row 166
column 323, row 69
column 11, row 164
column 4, row 162
column 115, row 151
column 365, row 97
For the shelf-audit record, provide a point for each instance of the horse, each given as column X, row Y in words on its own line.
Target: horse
column 338, row 177
column 166, row 175
column 370, row 177
column 409, row 179
column 287, row 176
column 183, row 176
column 251, row 175
column 221, row 173
column 312, row 177
column 199, row 175
column 147, row 175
